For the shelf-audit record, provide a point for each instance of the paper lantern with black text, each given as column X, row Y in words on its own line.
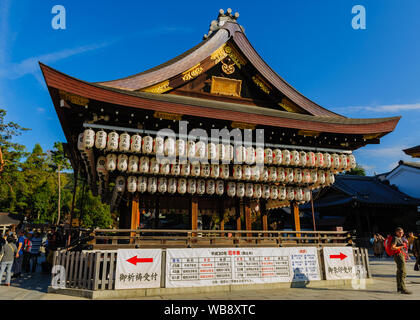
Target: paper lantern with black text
column 250, row 155
column 302, row 158
column 282, row 193
column 321, row 176
column 135, row 143
column 195, row 169
column 281, row 174
column 112, row 143
column 259, row 155
column 214, row 171
column 272, row 174
column 257, row 191
column 306, row 194
column 240, row 189
column 100, row 140
column 268, row 156
column 212, row 151
column 101, row 165
column 290, row 193
column 182, row 185
column 175, row 169
column 255, row 173
column 185, row 169
column 306, row 176
column 210, row 187
column 80, row 143
column 289, row 175
column 172, row 185
column 294, row 158
column 111, row 161
column 353, row 163
column 265, row 191
column 277, row 156
column 124, row 143
column 246, row 172
column 286, row 157
column 165, row 168
column 144, row 164
column 200, row 150
column 249, row 190
column 141, row 184
column 264, row 174
column 162, row 185
column 319, row 160
column 205, row 170
column 131, row 184
column 310, row 159
column 201, row 186
column 154, row 167
column 152, row 185
column 180, row 148
column 89, row 138
column 231, row 189
column 133, row 164
column 274, row 192
column 327, row 160
column 299, row 194
column 221, row 151
column 122, row 163
column 147, row 145
column 237, row 172
column 240, row 154
column 120, row 184
column 220, row 187
column 314, row 176
column 224, row 171
column 192, row 186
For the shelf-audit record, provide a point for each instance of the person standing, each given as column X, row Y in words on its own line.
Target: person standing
column 17, row 265
column 411, row 238
column 8, row 251
column 27, row 248
column 399, row 257
column 378, row 245
column 35, row 250
column 416, row 252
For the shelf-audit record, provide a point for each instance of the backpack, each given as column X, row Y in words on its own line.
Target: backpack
column 388, row 245
column 27, row 245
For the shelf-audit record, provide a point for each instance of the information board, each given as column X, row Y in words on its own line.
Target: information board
column 138, row 268
column 225, row 266
column 304, row 264
column 339, row 263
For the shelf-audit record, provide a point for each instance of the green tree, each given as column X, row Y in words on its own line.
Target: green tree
column 358, row 171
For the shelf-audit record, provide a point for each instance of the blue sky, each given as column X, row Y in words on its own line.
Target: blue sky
column 359, row 73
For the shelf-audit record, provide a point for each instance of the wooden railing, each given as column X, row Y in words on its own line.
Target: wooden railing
column 95, row 270
column 164, row 238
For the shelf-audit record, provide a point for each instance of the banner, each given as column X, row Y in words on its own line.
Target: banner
column 138, row 268
column 304, row 264
column 226, row 266
column 339, row 263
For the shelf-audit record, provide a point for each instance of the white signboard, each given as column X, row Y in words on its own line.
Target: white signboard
column 226, row 266
column 339, row 263
column 304, row 264
column 138, row 268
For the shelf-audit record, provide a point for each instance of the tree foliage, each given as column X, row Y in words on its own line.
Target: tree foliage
column 358, row 171
column 29, row 184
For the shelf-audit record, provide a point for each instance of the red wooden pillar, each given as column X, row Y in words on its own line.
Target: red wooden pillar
column 194, row 215
column 248, row 222
column 135, row 216
column 295, row 210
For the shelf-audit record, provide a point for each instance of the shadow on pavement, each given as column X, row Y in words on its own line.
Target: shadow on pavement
column 37, row 281
column 350, row 290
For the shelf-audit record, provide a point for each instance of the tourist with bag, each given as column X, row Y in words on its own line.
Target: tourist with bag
column 17, row 265
column 27, row 248
column 7, row 254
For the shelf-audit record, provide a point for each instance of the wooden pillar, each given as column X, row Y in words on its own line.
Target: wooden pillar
column 263, row 211
column 248, row 222
column 194, row 215
column 295, row 211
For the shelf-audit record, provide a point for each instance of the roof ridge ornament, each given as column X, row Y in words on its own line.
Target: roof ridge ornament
column 221, row 19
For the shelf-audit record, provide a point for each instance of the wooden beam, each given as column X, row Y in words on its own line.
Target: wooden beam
column 295, row 209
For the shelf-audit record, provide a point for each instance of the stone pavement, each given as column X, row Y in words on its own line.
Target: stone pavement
column 34, row 287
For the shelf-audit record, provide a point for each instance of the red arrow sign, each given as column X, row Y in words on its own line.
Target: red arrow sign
column 134, row 260
column 340, row 256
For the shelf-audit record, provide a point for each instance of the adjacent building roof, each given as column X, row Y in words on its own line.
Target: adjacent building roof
column 414, row 151
column 7, row 219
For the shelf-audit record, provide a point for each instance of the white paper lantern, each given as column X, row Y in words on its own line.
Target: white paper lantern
column 302, row 158
column 185, row 169
column 205, row 170
column 237, row 172
column 147, row 146
column 282, row 193
column 210, row 187
column 141, row 184
column 289, row 175
column 281, row 174
column 240, row 189
column 112, row 143
column 229, row 153
column 231, row 189
column 111, row 161
column 224, row 171
column 200, row 150
column 100, row 139
column 268, row 156
column 80, row 143
column 299, row 194
column 120, row 184
column 310, row 159
column 212, row 151
column 257, row 191
column 122, row 163
column 240, row 154
column 330, row 178
column 162, row 185
column 89, row 138
column 165, row 168
column 319, row 160
column 249, row 190
column 180, row 148
column 272, row 174
column 192, row 186
column 152, row 185
column 169, row 147
column 274, row 192
column 250, row 155
column 201, row 186
column 327, row 160
column 221, row 151
column 343, row 162
column 321, row 177
column 246, row 172
column 264, row 174
column 172, row 185
column 277, row 156
column 135, row 143
column 101, row 165
column 335, row 161
column 259, row 155
column 191, row 149
column 154, row 166
column 297, row 175
column 195, row 169
column 306, row 176
column 306, row 194
column 131, row 184
column 159, row 146
column 294, row 158
column 175, row 169
column 286, row 157
column 290, row 194
column 144, row 164
column 314, row 176
column 182, row 185
column 214, row 171
column 220, row 187
column 133, row 164
column 255, row 173
column 124, row 144
column 353, row 163
column 265, row 191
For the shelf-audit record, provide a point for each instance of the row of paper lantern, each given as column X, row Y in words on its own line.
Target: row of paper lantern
column 239, row 172
column 153, row 185
column 215, row 152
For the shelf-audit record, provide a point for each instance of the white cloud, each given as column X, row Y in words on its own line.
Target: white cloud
column 40, row 110
column 392, row 108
